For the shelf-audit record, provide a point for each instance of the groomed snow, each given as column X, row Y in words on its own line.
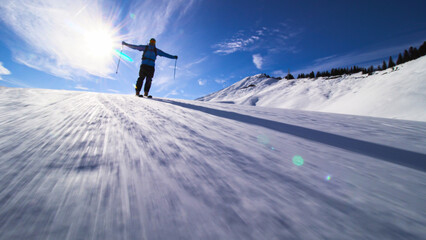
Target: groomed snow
column 399, row 93
column 76, row 165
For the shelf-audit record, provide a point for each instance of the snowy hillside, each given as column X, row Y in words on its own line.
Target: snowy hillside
column 399, row 94
column 77, row 165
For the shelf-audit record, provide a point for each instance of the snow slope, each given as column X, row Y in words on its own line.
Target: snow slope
column 399, row 94
column 77, row 165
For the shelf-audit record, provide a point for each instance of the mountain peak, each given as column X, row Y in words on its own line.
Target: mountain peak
column 391, row 93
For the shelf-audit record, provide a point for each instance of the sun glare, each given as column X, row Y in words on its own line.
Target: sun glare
column 90, row 39
column 99, row 44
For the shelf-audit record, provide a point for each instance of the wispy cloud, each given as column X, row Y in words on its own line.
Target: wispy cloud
column 224, row 79
column 273, row 39
column 202, row 82
column 220, row 80
column 258, row 61
column 235, row 44
column 3, row 70
column 45, row 64
column 323, row 59
column 174, row 92
column 163, row 82
column 151, row 17
column 278, row 73
column 15, row 82
column 196, row 62
column 80, row 87
column 113, row 90
column 76, row 38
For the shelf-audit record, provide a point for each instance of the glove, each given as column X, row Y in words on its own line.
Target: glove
column 176, row 57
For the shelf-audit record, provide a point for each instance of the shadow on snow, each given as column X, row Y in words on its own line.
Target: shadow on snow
column 394, row 155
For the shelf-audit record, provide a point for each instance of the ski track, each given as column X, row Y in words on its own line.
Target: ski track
column 77, row 165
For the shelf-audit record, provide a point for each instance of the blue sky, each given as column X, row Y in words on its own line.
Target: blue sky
column 70, row 44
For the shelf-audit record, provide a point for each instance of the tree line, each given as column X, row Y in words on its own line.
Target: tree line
column 408, row 55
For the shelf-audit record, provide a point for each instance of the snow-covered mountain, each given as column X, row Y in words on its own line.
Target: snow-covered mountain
column 399, row 93
column 78, row 165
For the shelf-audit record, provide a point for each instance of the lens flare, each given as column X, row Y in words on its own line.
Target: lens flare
column 298, row 160
column 328, row 177
column 123, row 56
column 132, row 16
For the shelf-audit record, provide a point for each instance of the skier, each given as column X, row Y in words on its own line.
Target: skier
column 147, row 69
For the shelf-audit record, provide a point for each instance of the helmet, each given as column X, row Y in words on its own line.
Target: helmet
column 152, row 41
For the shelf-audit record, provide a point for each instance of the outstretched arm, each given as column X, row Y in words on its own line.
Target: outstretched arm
column 163, row 54
column 136, row 47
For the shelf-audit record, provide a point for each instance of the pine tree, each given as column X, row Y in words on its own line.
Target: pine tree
column 327, row 73
column 356, row 69
column 414, row 53
column 422, row 49
column 370, row 70
column 399, row 60
column 391, row 64
column 406, row 56
column 411, row 53
column 289, row 76
column 384, row 66
column 318, row 75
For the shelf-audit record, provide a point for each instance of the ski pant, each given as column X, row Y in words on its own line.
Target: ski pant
column 147, row 72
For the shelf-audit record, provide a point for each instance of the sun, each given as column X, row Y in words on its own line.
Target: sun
column 99, row 43
column 90, row 39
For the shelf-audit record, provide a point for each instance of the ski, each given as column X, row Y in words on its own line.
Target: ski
column 142, row 96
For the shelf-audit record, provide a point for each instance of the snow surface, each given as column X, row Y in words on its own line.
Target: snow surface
column 398, row 93
column 77, row 165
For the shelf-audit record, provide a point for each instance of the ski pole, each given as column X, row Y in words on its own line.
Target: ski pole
column 174, row 75
column 119, row 58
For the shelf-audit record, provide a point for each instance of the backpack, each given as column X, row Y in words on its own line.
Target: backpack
column 144, row 51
